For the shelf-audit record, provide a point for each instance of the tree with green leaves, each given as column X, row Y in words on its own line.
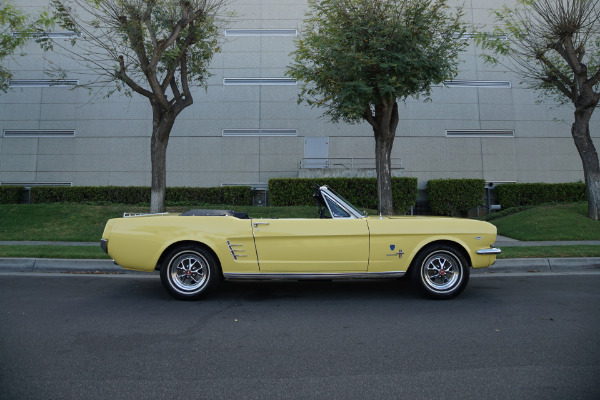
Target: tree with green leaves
column 16, row 30
column 156, row 48
column 554, row 46
column 358, row 58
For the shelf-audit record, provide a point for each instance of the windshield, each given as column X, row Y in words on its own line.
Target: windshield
column 344, row 203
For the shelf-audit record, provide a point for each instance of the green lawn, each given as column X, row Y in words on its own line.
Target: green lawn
column 550, row 251
column 553, row 222
column 85, row 223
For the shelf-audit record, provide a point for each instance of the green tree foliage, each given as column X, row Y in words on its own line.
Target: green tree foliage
column 16, row 29
column 155, row 48
column 357, row 58
column 554, row 46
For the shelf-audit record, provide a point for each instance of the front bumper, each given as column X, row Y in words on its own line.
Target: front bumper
column 492, row 251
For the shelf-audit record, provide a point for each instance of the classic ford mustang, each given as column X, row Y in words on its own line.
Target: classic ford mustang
column 195, row 250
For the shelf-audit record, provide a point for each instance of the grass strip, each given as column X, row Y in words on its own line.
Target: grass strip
column 550, row 251
column 48, row 251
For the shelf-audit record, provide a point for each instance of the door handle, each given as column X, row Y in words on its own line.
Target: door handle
column 256, row 224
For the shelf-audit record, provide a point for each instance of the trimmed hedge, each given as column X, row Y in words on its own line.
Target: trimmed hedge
column 455, row 197
column 530, row 194
column 362, row 192
column 11, row 194
column 230, row 195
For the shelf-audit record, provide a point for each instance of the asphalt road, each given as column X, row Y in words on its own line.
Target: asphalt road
column 123, row 337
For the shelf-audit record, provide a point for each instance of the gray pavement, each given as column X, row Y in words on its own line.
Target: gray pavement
column 532, row 265
column 123, row 337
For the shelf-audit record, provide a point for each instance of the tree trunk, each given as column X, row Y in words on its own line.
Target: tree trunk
column 383, row 162
column 384, row 123
column 161, row 129
column 589, row 157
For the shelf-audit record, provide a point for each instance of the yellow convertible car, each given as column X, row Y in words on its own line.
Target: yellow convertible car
column 195, row 250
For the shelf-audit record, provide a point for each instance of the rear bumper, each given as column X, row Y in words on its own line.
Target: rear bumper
column 104, row 245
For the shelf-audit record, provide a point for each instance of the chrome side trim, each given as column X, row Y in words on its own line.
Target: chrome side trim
column 489, row 252
column 129, row 214
column 301, row 276
column 235, row 252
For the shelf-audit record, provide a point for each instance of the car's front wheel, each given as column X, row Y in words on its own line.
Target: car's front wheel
column 440, row 272
column 189, row 272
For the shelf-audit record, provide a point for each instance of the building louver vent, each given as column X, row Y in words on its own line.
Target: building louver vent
column 42, row 82
column 480, row 133
column 30, row 184
column 259, row 81
column 39, row 133
column 260, row 132
column 479, row 84
column 472, row 36
column 261, row 32
column 48, row 35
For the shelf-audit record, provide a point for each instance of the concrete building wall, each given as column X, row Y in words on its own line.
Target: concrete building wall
column 110, row 140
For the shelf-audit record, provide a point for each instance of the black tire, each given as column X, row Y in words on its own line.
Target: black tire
column 440, row 272
column 189, row 272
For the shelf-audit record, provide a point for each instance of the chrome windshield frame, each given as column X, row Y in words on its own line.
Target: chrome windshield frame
column 333, row 199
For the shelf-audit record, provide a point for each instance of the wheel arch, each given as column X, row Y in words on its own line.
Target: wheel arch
column 456, row 245
column 181, row 243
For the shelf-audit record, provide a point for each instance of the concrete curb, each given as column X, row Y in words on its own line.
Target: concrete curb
column 558, row 265
column 58, row 265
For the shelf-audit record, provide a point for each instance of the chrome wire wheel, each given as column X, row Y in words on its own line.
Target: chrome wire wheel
column 441, row 271
column 189, row 271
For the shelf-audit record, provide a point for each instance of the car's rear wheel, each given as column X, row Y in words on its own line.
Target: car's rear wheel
column 440, row 272
column 189, row 272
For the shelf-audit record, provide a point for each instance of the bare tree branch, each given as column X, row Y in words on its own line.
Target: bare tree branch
column 555, row 46
column 151, row 47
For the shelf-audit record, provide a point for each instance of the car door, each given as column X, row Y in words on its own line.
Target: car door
column 311, row 245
